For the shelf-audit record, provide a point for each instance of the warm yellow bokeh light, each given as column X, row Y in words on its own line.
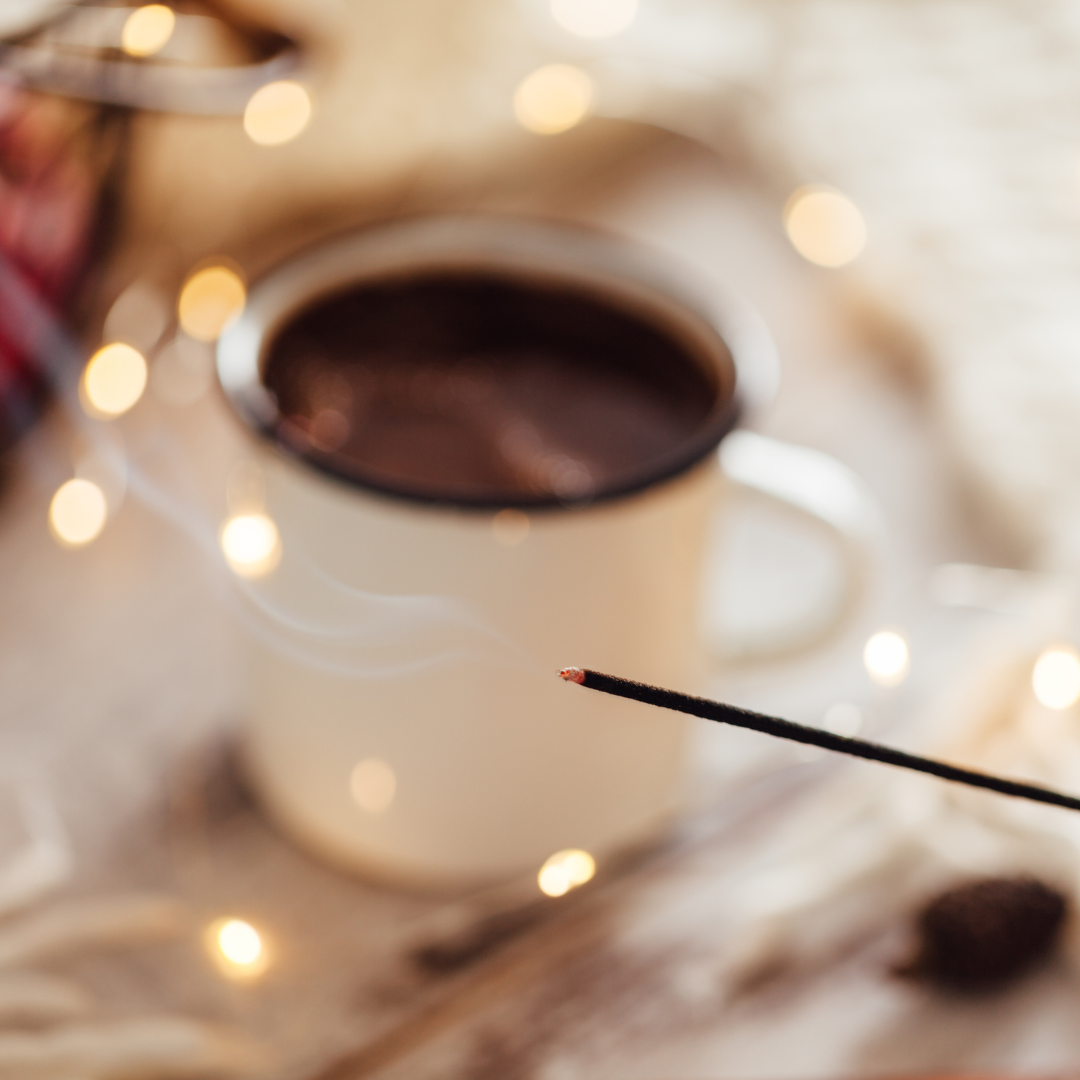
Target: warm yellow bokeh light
column 580, row 866
column 553, row 880
column 372, row 785
column 210, row 299
column 1056, row 678
column 594, row 18
column 114, row 380
column 147, row 30
column 251, row 544
column 824, row 226
column 237, row 947
column 566, row 870
column 886, row 658
column 553, row 99
column 277, row 113
column 239, row 942
column 77, row 512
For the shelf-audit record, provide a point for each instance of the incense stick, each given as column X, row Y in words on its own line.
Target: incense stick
column 786, row 729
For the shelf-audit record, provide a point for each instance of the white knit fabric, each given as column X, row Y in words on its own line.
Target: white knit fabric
column 952, row 124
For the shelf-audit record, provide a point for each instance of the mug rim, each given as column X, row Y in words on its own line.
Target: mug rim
column 618, row 272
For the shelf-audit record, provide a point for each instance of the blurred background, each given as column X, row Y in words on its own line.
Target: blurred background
column 895, row 186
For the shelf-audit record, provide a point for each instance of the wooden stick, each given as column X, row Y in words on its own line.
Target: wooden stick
column 785, row 729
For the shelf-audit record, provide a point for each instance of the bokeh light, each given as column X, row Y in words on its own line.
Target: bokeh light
column 566, row 870
column 77, row 512
column 210, row 299
column 824, row 226
column 251, row 544
column 886, row 658
column 594, row 18
column 114, row 380
column 237, row 947
column 553, row 99
column 372, row 785
column 1055, row 679
column 147, row 30
column 277, row 113
column 510, row 527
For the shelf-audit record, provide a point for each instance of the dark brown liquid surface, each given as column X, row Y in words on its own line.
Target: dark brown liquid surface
column 485, row 387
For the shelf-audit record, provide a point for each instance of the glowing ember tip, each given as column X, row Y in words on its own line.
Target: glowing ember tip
column 573, row 674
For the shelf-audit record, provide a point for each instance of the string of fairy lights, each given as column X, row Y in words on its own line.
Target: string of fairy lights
column 823, row 225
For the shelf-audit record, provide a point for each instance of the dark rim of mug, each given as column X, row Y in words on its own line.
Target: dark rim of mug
column 614, row 271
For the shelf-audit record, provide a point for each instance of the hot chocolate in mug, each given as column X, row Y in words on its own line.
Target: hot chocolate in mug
column 490, row 450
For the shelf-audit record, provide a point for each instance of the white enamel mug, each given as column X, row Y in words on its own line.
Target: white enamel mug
column 405, row 718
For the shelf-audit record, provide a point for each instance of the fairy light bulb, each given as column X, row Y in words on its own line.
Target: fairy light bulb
column 277, row 113
column 147, row 30
column 210, row 299
column 77, row 513
column 566, row 870
column 886, row 658
column 251, row 544
column 237, row 948
column 553, row 99
column 1055, row 679
column 239, row 942
column 824, row 226
column 114, row 380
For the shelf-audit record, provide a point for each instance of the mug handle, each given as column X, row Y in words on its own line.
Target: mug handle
column 831, row 494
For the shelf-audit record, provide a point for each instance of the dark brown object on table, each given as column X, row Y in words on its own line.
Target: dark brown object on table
column 982, row 935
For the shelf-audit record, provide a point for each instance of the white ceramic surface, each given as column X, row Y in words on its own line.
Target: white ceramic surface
column 409, row 634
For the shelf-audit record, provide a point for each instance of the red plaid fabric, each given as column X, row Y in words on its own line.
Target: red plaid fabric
column 49, row 187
